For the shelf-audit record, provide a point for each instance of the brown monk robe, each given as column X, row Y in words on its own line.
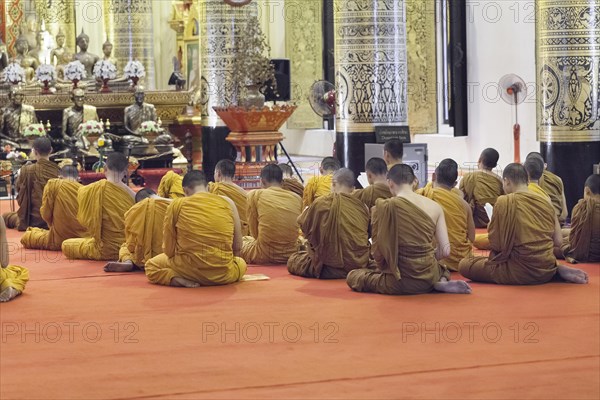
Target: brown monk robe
column 535, row 169
column 583, row 243
column 553, row 186
column 59, row 210
column 272, row 219
column 30, row 186
column 335, row 227
column 404, row 228
column 144, row 223
column 457, row 212
column 289, row 182
column 170, row 186
column 482, row 186
column 318, row 186
column 522, row 233
column 102, row 208
column 224, row 186
column 393, row 151
column 378, row 187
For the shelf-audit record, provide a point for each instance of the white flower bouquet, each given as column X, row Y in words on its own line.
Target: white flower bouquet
column 149, row 127
column 75, row 70
column 93, row 128
column 34, row 130
column 45, row 73
column 134, row 69
column 14, row 73
column 104, row 69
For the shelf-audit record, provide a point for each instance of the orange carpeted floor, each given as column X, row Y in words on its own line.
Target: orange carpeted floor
column 79, row 333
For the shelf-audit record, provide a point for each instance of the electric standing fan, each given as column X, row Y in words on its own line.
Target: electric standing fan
column 322, row 99
column 514, row 91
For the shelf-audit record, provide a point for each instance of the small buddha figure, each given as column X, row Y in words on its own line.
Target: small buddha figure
column 26, row 61
column 38, row 51
column 30, row 31
column 86, row 58
column 16, row 116
column 73, row 116
column 107, row 49
column 61, row 55
column 135, row 115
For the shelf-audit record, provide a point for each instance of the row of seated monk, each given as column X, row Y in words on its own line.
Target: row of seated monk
column 386, row 238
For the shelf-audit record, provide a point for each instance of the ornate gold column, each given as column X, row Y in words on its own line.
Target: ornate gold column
column 58, row 14
column 568, row 106
column 128, row 25
column 371, row 72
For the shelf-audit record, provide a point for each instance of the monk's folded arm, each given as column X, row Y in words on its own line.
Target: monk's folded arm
column 558, row 236
column 441, row 237
column 47, row 208
column 377, row 255
column 169, row 240
column 253, row 214
column 494, row 234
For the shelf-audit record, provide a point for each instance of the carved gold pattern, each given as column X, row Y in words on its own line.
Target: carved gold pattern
column 58, row 14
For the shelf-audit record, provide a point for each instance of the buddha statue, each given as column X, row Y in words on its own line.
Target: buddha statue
column 73, row 116
column 61, row 55
column 86, row 58
column 107, row 49
column 16, row 116
column 38, row 51
column 30, row 31
column 135, row 115
column 26, row 61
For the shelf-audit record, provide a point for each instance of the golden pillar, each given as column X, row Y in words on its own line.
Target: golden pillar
column 568, row 98
column 128, row 25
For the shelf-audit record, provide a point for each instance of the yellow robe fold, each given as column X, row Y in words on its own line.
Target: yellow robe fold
column 102, row 208
column 293, row 185
column 403, row 237
column 238, row 195
column 554, row 187
column 584, row 239
column 316, row 187
column 272, row 220
column 13, row 276
column 59, row 210
column 30, row 186
column 480, row 188
column 144, row 223
column 521, row 240
column 336, row 229
column 456, row 216
column 535, row 188
column 170, row 186
column 371, row 193
column 197, row 243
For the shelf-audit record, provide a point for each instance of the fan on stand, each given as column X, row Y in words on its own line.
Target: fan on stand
column 322, row 97
column 514, row 91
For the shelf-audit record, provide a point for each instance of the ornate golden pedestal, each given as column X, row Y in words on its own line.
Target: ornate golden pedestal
column 254, row 134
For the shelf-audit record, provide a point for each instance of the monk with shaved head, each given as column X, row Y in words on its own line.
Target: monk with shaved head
column 225, row 186
column 378, row 187
column 289, row 182
column 553, row 186
column 320, row 185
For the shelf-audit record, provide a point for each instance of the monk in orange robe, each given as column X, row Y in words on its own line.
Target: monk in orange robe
column 393, row 151
column 170, row 186
column 201, row 241
column 12, row 277
column 335, row 227
column 144, row 223
column 30, row 186
column 289, row 182
column 583, row 239
column 59, row 210
column 457, row 212
column 378, row 187
column 482, row 186
column 522, row 233
column 404, row 229
column 224, row 186
column 320, row 185
column 272, row 218
column 102, row 208
column 535, row 169
column 554, row 187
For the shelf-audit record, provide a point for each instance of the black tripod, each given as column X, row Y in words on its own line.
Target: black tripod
column 291, row 162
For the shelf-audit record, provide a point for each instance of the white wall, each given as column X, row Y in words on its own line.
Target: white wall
column 501, row 40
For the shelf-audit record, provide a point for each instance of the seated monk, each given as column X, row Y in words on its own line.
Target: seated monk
column 102, row 208
column 393, row 151
column 59, row 210
column 170, row 186
column 457, row 212
column 144, row 223
column 522, row 233
column 224, row 186
column 583, row 243
column 404, row 228
column 320, row 185
column 289, row 182
column 336, row 228
column 12, row 278
column 554, row 187
column 201, row 242
column 30, row 187
column 272, row 220
column 535, row 169
column 378, row 187
column 482, row 186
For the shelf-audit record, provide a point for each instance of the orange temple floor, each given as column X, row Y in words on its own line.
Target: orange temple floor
column 78, row 332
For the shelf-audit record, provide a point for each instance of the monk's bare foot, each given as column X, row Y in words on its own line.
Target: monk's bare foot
column 8, row 294
column 572, row 275
column 459, row 287
column 182, row 282
column 126, row 266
